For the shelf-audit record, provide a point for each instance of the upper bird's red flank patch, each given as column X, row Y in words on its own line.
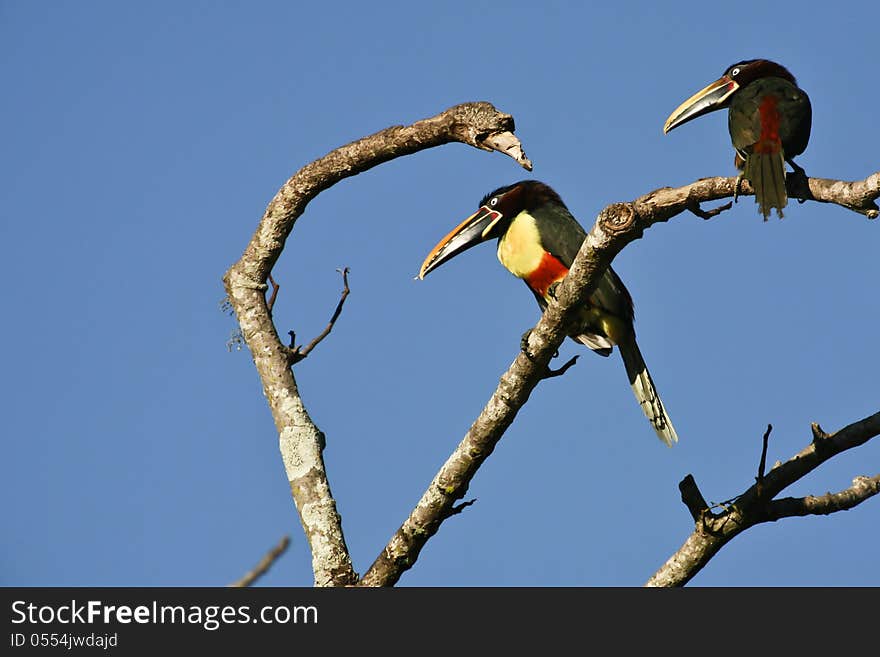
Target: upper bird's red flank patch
column 546, row 273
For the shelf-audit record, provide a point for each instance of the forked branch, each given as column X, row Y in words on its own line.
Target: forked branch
column 756, row 505
column 296, row 354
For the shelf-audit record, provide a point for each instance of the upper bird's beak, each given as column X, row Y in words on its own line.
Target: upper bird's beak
column 711, row 98
column 468, row 233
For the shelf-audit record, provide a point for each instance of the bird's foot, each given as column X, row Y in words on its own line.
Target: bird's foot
column 736, row 186
column 551, row 291
column 524, row 347
column 799, row 183
column 524, row 344
column 798, row 169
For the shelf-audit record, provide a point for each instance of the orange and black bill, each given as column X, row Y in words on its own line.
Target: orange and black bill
column 715, row 96
column 470, row 232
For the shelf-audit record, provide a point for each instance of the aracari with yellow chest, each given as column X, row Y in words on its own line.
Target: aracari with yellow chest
column 538, row 239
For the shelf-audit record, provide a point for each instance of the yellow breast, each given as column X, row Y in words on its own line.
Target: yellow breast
column 519, row 249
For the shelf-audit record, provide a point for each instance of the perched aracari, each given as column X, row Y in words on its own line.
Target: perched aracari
column 538, row 238
column 769, row 123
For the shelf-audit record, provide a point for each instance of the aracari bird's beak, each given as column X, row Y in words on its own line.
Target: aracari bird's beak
column 715, row 96
column 470, row 232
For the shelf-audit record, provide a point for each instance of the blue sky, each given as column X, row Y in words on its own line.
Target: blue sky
column 142, row 143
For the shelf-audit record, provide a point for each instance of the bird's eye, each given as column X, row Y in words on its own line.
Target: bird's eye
column 494, row 202
column 734, row 72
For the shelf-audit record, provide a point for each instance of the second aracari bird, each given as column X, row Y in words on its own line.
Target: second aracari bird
column 769, row 123
column 538, row 239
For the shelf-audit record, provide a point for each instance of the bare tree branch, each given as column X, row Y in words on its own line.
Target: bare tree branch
column 616, row 226
column 477, row 124
column 264, row 565
column 756, row 505
column 859, row 196
column 789, row 507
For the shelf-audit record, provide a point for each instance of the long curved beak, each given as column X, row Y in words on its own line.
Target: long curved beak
column 713, row 97
column 470, row 232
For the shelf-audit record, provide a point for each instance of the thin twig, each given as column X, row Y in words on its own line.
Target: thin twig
column 562, row 370
column 263, row 566
column 298, row 353
column 708, row 214
column 458, row 508
column 759, row 480
column 271, row 302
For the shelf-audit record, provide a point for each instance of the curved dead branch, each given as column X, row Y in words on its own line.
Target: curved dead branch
column 756, row 505
column 477, row 124
column 617, row 225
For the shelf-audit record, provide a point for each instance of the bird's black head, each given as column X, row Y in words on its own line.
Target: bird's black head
column 750, row 70
column 510, row 200
column 497, row 209
column 718, row 94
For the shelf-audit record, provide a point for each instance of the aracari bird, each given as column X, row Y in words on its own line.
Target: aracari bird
column 538, row 238
column 769, row 123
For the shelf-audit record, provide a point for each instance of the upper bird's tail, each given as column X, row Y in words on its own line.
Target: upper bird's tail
column 646, row 392
column 765, row 169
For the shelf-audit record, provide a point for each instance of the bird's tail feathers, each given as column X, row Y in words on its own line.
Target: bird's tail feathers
column 646, row 392
column 765, row 170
